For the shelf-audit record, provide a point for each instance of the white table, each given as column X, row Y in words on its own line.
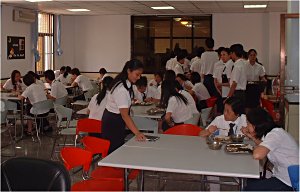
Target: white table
column 82, row 111
column 141, row 111
column 48, row 86
column 181, row 154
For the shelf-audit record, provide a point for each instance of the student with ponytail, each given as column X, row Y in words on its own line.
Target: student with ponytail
column 116, row 114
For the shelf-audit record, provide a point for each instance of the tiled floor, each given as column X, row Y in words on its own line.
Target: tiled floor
column 27, row 147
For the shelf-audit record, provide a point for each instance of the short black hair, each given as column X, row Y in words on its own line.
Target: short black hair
column 261, row 120
column 159, row 74
column 75, row 71
column 28, row 79
column 142, row 82
column 210, row 42
column 238, row 49
column 169, row 75
column 181, row 76
column 219, row 50
column 227, row 50
column 195, row 78
column 49, row 74
column 102, row 71
column 34, row 74
column 63, row 68
column 181, row 55
column 199, row 51
column 236, row 105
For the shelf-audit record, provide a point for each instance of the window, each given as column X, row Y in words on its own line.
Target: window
column 154, row 37
column 45, row 43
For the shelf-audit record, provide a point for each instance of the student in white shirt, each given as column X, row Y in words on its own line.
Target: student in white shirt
column 65, row 78
column 238, row 79
column 34, row 93
column 59, row 72
column 255, row 77
column 102, row 74
column 177, row 108
column 37, row 79
column 196, row 61
column 231, row 122
column 98, row 102
column 171, row 63
column 144, row 93
column 184, row 82
column 116, row 114
column 274, row 143
column 158, row 77
column 179, row 67
column 58, row 90
column 169, row 75
column 14, row 83
column 199, row 91
column 82, row 82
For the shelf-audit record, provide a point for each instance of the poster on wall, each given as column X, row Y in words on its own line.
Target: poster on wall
column 15, row 47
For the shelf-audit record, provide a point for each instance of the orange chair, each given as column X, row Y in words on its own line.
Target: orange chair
column 184, row 129
column 74, row 157
column 101, row 146
column 210, row 102
column 88, row 126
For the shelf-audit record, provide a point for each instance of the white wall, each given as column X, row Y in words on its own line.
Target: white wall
column 92, row 42
column 11, row 28
column 260, row 31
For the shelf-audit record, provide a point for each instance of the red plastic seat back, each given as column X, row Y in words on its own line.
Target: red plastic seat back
column 96, row 145
column 88, row 126
column 210, row 102
column 184, row 129
column 75, row 157
column 99, row 185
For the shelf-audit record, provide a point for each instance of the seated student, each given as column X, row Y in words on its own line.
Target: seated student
column 65, row 77
column 169, row 75
column 274, row 143
column 14, row 83
column 98, row 102
column 177, row 107
column 145, row 93
column 82, row 82
column 199, row 90
column 34, row 93
column 58, row 90
column 184, row 82
column 231, row 122
column 37, row 79
column 158, row 77
column 59, row 72
column 102, row 75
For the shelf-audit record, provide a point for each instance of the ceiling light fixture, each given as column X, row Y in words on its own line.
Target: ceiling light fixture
column 184, row 22
column 78, row 10
column 254, row 6
column 165, row 7
column 33, row 1
column 177, row 19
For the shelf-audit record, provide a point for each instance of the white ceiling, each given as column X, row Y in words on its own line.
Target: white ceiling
column 144, row 7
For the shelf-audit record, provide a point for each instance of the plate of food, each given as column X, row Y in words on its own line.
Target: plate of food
column 137, row 103
column 238, row 148
column 222, row 139
column 155, row 110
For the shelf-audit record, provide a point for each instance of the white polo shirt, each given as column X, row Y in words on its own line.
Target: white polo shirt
column 40, row 83
column 191, row 101
column 254, row 71
column 208, row 59
column 96, row 111
column 83, row 82
column 284, row 151
column 120, row 98
column 221, row 123
column 179, row 68
column 239, row 75
column 9, row 86
column 196, row 66
column 64, row 80
column 150, row 92
column 154, row 83
column 171, row 63
column 187, row 83
column 218, row 70
column 180, row 111
column 195, row 59
column 35, row 93
column 201, row 91
column 58, row 90
column 187, row 65
column 228, row 69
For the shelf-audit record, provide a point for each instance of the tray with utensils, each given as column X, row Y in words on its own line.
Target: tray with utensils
column 142, row 103
column 239, row 148
column 156, row 110
column 222, row 139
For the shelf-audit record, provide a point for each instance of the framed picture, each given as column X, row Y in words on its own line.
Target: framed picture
column 15, row 47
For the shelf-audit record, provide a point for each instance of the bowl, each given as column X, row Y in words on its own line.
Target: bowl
column 238, row 138
column 215, row 145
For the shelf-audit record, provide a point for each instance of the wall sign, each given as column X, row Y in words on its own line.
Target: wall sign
column 15, row 47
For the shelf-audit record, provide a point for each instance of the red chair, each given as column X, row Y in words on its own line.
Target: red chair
column 184, row 129
column 74, row 157
column 269, row 106
column 88, row 126
column 210, row 102
column 101, row 146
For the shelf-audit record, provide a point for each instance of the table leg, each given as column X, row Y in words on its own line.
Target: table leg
column 126, row 184
column 142, row 183
column 242, row 183
column 22, row 117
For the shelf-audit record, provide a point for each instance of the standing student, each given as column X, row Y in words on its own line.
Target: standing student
column 180, row 63
column 196, row 61
column 116, row 114
column 274, row 143
column 98, row 102
column 65, row 78
column 14, row 83
column 144, row 93
column 82, row 82
column 58, row 90
column 238, row 79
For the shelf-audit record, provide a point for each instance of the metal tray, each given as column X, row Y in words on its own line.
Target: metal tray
column 238, row 148
column 155, row 110
column 223, row 139
column 143, row 104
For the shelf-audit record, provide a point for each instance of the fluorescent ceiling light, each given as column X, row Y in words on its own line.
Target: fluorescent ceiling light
column 184, row 22
column 78, row 10
column 37, row 0
column 165, row 7
column 254, row 6
column 177, row 19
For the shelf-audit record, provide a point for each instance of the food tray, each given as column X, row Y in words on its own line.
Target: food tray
column 223, row 139
column 143, row 104
column 238, row 148
column 155, row 110
column 13, row 95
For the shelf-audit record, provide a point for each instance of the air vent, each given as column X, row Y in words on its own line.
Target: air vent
column 23, row 16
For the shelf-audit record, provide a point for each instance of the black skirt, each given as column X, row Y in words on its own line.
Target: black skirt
column 113, row 129
column 253, row 95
